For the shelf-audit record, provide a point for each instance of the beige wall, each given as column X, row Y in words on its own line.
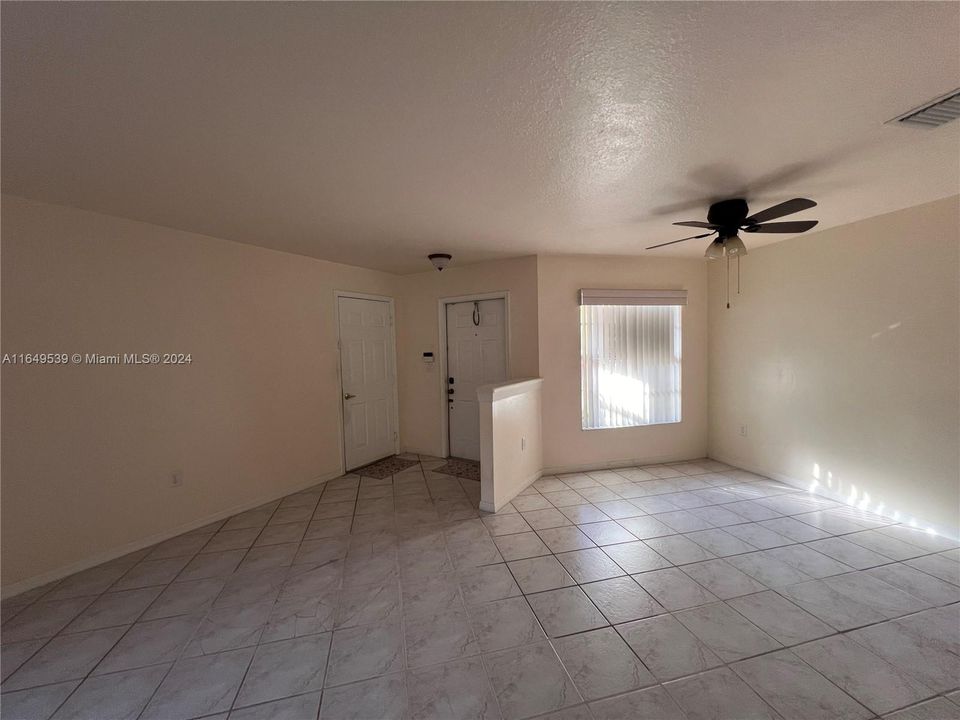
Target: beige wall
column 566, row 445
column 842, row 351
column 88, row 451
column 418, row 327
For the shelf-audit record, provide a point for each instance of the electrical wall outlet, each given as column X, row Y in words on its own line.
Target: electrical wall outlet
column 176, row 478
column 743, row 430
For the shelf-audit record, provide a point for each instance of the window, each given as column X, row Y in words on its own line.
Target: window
column 630, row 343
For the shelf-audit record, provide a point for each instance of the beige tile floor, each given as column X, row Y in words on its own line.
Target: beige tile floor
column 692, row 590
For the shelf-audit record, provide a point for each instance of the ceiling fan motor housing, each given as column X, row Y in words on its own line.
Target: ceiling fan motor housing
column 729, row 214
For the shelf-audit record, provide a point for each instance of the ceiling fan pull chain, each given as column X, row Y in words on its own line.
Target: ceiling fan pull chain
column 738, row 274
column 728, row 282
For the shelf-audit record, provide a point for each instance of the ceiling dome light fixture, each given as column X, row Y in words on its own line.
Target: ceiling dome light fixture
column 441, row 260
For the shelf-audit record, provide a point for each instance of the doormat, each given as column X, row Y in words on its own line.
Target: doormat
column 469, row 469
column 385, row 468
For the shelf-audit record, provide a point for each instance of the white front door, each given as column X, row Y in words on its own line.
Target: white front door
column 368, row 377
column 476, row 355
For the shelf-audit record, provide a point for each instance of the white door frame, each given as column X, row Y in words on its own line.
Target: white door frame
column 442, row 351
column 337, row 294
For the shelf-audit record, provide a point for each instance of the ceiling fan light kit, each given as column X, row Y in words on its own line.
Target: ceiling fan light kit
column 731, row 247
column 714, row 250
column 735, row 246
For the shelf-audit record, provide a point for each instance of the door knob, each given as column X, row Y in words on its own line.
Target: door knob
column 347, row 396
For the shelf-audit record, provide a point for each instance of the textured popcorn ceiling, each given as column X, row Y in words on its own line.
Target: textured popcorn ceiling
column 373, row 134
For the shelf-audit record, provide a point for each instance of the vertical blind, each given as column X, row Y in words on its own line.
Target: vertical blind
column 630, row 361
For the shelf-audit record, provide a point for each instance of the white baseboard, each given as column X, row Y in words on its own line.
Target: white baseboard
column 606, row 465
column 117, row 552
column 952, row 533
column 489, row 507
column 611, row 464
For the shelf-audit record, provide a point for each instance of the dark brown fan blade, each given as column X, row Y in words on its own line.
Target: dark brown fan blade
column 695, row 223
column 692, row 237
column 785, row 208
column 796, row 226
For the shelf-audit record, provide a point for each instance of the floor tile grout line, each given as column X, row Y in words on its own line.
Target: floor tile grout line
column 119, row 638
column 808, row 665
column 403, row 626
column 615, row 628
column 46, row 641
column 721, row 557
column 62, row 632
column 122, row 635
column 340, row 589
column 729, row 664
column 783, row 647
column 789, row 544
column 206, row 615
column 405, row 670
column 892, row 561
column 277, row 598
column 488, row 682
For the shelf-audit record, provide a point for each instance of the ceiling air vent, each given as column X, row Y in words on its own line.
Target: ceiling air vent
column 933, row 114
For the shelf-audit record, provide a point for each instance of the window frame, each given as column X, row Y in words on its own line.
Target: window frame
column 624, row 298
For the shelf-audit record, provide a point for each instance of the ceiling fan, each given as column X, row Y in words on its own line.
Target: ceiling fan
column 727, row 217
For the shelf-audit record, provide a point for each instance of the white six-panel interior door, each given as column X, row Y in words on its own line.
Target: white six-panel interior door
column 476, row 355
column 368, row 380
